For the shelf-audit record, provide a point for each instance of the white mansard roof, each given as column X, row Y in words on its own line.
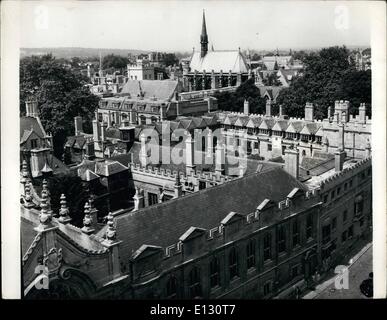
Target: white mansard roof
column 219, row 60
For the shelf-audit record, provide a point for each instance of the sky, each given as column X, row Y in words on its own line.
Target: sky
column 166, row 25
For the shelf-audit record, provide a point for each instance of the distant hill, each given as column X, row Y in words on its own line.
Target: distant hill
column 69, row 52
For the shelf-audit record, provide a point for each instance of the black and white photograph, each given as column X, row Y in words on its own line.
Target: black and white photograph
column 194, row 150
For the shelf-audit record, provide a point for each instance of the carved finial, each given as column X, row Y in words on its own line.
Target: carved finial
column 44, row 216
column 27, row 194
column 87, row 220
column 24, row 172
column 111, row 230
column 46, row 191
column 64, row 210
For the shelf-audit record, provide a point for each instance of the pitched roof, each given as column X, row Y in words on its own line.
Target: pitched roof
column 203, row 209
column 31, row 124
column 219, row 61
column 161, row 89
column 295, row 126
column 280, row 125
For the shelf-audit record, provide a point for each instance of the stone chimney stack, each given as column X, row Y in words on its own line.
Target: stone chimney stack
column 143, row 152
column 246, row 107
column 32, row 108
column 220, row 159
column 292, row 162
column 178, row 186
column 189, row 154
column 103, row 131
column 268, row 107
column 340, row 152
column 78, row 124
column 362, row 113
column 309, row 112
column 281, row 111
column 96, row 130
column 138, row 199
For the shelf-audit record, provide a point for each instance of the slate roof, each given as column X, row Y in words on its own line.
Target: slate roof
column 219, row 60
column 162, row 224
column 161, row 89
column 29, row 125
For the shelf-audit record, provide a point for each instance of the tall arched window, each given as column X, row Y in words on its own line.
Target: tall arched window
column 233, row 263
column 172, row 287
column 195, row 288
column 214, row 272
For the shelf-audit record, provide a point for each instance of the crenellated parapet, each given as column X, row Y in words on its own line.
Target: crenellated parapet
column 349, row 171
column 169, row 175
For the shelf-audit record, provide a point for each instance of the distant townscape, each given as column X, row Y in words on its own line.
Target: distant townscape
column 206, row 174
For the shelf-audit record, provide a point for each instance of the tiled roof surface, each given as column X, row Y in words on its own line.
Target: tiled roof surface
column 31, row 123
column 162, row 224
column 219, row 60
column 161, row 89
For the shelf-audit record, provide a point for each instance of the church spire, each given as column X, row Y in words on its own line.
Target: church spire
column 204, row 38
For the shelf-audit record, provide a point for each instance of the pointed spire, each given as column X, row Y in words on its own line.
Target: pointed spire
column 46, row 191
column 87, row 220
column 64, row 210
column 204, row 38
column 204, row 28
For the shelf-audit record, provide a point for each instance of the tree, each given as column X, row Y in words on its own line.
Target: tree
column 61, row 95
column 114, row 61
column 170, row 59
column 328, row 76
column 272, row 80
column 234, row 101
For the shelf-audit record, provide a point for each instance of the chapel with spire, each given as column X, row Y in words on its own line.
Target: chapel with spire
column 215, row 68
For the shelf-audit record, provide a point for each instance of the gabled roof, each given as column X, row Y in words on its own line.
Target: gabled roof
column 109, row 167
column 267, row 123
column 145, row 251
column 161, row 89
column 210, row 120
column 230, row 119
column 254, row 122
column 310, row 128
column 219, row 61
column 31, row 124
column 232, row 217
column 295, row 127
column 241, row 121
column 192, row 233
column 280, row 125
